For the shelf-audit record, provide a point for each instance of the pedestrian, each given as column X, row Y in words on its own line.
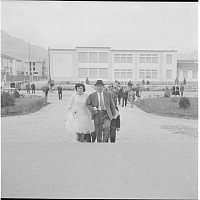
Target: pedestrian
column 124, row 97
column 79, row 120
column 114, row 95
column 60, row 92
column 114, row 126
column 28, row 88
column 177, row 91
column 182, row 89
column 137, row 90
column 131, row 97
column 102, row 107
column 33, row 88
column 119, row 94
column 46, row 90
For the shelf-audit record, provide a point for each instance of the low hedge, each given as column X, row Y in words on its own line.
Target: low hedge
column 32, row 105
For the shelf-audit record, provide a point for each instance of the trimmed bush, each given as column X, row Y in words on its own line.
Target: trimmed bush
column 184, row 102
column 7, row 99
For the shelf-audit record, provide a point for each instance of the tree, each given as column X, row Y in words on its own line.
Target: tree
column 184, row 82
column 87, row 81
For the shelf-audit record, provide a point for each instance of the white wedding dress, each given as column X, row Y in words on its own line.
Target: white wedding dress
column 79, row 119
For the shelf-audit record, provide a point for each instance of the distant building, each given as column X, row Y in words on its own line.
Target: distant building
column 107, row 64
column 11, row 66
column 187, row 69
column 36, row 69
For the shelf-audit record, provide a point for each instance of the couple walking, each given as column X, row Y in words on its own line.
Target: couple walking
column 91, row 113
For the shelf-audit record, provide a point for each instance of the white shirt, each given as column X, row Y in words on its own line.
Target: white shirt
column 99, row 100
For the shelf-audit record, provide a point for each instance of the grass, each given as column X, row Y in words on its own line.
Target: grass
column 169, row 107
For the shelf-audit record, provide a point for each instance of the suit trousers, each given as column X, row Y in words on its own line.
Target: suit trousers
column 102, row 124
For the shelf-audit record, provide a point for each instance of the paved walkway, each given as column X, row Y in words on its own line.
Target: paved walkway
column 153, row 157
column 137, row 126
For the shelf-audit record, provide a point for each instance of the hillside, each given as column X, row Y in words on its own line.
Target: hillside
column 19, row 49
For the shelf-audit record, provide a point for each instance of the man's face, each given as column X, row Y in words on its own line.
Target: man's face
column 99, row 88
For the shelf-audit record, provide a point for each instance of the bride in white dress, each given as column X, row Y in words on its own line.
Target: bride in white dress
column 79, row 120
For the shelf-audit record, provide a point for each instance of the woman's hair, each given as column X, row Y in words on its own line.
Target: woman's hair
column 80, row 85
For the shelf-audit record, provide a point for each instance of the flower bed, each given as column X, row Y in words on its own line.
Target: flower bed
column 24, row 105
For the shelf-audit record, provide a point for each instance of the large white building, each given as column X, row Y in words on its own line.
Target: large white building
column 107, row 64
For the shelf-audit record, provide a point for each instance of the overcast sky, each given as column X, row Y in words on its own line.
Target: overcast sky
column 119, row 25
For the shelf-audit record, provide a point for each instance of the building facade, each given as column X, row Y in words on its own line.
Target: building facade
column 107, row 64
column 36, row 69
column 11, row 66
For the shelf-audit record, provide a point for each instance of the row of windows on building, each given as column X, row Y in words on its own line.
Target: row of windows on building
column 102, row 57
column 128, row 73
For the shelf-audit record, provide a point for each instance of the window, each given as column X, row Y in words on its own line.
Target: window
column 33, row 68
column 123, row 73
column 93, row 57
column 82, row 57
column 178, row 74
column 103, row 57
column 83, row 72
column 33, row 64
column 154, row 73
column 185, row 74
column 168, row 74
column 194, row 74
column 116, row 58
column 141, row 74
column 103, row 72
column 129, row 73
column 93, row 72
column 148, row 58
column 117, row 73
column 30, row 68
column 29, row 63
column 148, row 73
column 169, row 59
column 124, row 58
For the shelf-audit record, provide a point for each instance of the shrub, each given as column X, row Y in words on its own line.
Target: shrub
column 7, row 99
column 16, row 94
column 184, row 102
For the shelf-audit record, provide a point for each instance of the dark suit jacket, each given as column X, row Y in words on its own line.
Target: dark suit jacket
column 92, row 101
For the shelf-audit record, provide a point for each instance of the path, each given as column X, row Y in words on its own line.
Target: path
column 154, row 157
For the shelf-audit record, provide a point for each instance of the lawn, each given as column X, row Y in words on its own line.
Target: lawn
column 169, row 107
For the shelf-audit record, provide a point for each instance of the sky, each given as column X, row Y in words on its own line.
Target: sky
column 119, row 25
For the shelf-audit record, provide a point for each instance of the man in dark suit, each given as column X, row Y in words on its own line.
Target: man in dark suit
column 102, row 107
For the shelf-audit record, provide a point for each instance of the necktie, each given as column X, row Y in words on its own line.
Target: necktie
column 101, row 102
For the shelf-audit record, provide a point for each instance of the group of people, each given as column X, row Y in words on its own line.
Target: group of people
column 176, row 90
column 93, row 117
column 30, row 87
column 122, row 96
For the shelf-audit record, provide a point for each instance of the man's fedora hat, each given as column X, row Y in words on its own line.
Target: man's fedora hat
column 99, row 82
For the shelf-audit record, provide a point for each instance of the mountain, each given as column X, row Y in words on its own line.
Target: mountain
column 19, row 49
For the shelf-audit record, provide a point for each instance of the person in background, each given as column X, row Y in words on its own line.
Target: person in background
column 60, row 91
column 46, row 90
column 33, row 88
column 177, row 91
column 114, row 126
column 124, row 97
column 114, row 95
column 119, row 94
column 182, row 89
column 131, row 97
column 28, row 88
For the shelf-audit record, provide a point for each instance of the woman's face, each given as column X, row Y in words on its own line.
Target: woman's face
column 80, row 89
